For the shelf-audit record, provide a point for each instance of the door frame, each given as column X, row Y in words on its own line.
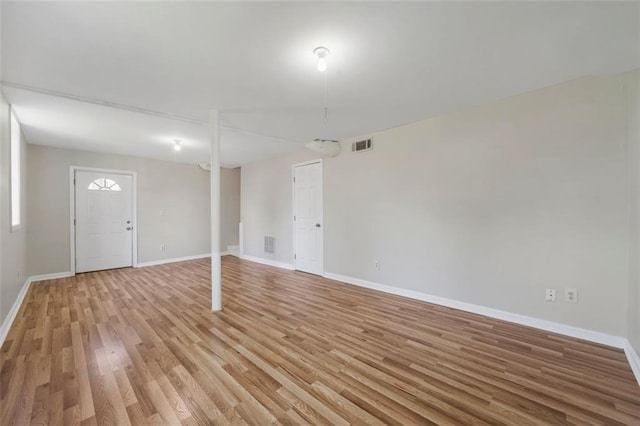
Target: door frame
column 293, row 207
column 72, row 210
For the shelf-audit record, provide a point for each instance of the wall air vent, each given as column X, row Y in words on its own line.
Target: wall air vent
column 269, row 245
column 363, row 145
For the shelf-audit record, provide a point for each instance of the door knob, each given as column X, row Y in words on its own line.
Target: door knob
column 129, row 228
column 128, row 221
column 317, row 225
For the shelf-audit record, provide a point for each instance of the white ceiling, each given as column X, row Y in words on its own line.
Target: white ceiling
column 390, row 64
column 64, row 123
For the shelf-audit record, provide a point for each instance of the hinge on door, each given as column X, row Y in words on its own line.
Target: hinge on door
column 294, row 218
column 294, row 179
column 294, row 256
column 74, row 222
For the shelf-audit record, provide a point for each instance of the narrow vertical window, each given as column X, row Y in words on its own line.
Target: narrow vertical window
column 16, row 146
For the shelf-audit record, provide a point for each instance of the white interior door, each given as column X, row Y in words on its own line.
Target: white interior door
column 307, row 213
column 104, row 220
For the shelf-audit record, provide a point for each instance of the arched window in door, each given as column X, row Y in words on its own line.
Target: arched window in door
column 103, row 184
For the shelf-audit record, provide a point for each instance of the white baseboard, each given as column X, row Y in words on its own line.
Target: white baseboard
column 54, row 276
column 11, row 316
column 269, row 262
column 634, row 360
column 233, row 250
column 567, row 330
column 555, row 327
column 173, row 260
column 589, row 335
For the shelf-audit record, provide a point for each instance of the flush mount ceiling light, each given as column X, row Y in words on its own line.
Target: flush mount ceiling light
column 177, row 146
column 327, row 147
column 321, row 53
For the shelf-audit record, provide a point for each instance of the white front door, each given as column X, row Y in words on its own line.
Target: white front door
column 307, row 214
column 104, row 220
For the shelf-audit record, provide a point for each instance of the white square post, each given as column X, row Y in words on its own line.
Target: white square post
column 216, row 267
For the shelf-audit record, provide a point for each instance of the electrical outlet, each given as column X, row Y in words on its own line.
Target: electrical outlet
column 550, row 295
column 378, row 265
column 571, row 295
column 162, row 247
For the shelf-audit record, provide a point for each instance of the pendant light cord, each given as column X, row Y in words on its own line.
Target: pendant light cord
column 326, row 97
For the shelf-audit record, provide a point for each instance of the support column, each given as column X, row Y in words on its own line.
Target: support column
column 216, row 269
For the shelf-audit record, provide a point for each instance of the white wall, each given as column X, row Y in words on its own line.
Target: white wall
column 3, row 139
column 229, row 207
column 633, row 313
column 488, row 206
column 182, row 191
column 266, row 207
column 13, row 262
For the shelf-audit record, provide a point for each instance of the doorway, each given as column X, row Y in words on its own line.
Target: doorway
column 308, row 226
column 103, row 220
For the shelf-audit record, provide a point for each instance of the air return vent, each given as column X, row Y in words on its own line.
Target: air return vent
column 269, row 245
column 363, row 145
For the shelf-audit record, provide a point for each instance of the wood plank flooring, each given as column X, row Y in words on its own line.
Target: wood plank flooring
column 140, row 346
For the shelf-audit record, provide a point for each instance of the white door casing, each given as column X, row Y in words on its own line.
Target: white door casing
column 104, row 220
column 308, row 223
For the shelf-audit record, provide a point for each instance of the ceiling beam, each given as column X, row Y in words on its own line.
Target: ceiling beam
column 130, row 108
column 108, row 104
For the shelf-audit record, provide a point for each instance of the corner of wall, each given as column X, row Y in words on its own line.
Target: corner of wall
column 13, row 252
column 632, row 86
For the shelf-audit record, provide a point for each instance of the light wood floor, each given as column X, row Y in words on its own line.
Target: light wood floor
column 141, row 346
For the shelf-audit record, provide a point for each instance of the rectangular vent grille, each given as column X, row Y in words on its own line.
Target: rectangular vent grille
column 363, row 145
column 269, row 245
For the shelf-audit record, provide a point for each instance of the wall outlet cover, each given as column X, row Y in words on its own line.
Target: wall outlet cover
column 550, row 295
column 571, row 295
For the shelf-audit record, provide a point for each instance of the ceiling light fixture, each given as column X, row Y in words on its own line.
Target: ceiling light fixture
column 177, row 146
column 321, row 53
column 327, row 147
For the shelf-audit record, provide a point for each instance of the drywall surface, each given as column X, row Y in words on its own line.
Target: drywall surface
column 489, row 206
column 229, row 207
column 13, row 261
column 632, row 85
column 266, row 207
column 173, row 206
